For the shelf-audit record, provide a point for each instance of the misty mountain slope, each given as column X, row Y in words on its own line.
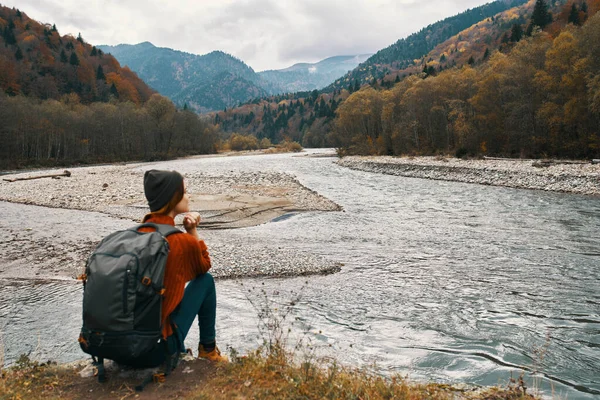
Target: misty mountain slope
column 306, row 76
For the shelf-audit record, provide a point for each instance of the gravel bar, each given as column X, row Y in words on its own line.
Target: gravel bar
column 579, row 178
column 39, row 218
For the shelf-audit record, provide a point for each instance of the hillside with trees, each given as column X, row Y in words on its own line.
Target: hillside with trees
column 404, row 52
column 209, row 82
column 520, row 83
column 65, row 101
column 35, row 60
column 537, row 97
column 311, row 124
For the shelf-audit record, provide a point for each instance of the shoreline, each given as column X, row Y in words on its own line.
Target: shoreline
column 583, row 179
column 41, row 218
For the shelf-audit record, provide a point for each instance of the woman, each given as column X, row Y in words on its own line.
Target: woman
column 188, row 261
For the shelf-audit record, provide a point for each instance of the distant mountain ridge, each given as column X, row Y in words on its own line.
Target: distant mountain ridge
column 217, row 80
column 210, row 82
column 309, row 76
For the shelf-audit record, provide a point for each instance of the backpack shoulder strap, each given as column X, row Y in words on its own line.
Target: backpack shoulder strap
column 163, row 229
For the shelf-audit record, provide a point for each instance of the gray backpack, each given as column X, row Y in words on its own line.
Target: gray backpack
column 122, row 298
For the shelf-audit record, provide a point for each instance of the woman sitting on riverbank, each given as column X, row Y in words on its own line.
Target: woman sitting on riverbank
column 188, row 261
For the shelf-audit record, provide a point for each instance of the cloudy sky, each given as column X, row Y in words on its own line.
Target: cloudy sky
column 266, row 34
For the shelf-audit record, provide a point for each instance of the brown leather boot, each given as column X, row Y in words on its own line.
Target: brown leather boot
column 214, row 355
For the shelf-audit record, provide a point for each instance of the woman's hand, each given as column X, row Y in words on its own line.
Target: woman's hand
column 191, row 221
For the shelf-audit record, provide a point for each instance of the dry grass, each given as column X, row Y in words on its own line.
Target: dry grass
column 275, row 376
column 30, row 380
column 268, row 373
column 285, row 147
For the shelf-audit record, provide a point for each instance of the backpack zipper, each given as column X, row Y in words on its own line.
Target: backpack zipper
column 125, row 289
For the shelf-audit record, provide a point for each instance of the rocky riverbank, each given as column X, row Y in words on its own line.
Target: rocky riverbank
column 43, row 243
column 579, row 178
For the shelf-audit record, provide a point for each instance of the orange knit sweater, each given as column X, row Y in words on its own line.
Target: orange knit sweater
column 187, row 259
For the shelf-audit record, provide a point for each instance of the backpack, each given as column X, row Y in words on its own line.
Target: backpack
column 122, row 299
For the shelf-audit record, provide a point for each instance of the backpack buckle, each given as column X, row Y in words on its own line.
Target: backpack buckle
column 146, row 281
column 83, row 342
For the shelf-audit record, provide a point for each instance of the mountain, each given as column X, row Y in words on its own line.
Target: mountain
column 36, row 61
column 209, row 82
column 449, row 99
column 403, row 53
column 64, row 101
column 217, row 80
column 306, row 77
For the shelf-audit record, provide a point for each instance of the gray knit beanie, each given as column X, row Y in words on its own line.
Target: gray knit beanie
column 160, row 186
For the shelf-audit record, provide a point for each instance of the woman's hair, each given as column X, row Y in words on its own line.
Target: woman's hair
column 170, row 206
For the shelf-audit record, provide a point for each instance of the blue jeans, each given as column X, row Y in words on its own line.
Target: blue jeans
column 199, row 299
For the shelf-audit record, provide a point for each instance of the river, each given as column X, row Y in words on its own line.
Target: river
column 441, row 281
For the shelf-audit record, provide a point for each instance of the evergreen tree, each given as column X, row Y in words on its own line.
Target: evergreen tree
column 114, row 91
column 74, row 60
column 19, row 54
column 94, row 52
column 54, row 28
column 27, row 27
column 185, row 106
column 516, row 33
column 356, row 85
column 79, row 38
column 471, row 60
column 574, row 15
column 486, row 55
column 397, row 79
column 584, row 7
column 505, row 39
column 9, row 35
column 100, row 73
column 63, row 56
column 541, row 16
column 443, row 58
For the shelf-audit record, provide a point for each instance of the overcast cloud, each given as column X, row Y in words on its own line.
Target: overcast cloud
column 266, row 34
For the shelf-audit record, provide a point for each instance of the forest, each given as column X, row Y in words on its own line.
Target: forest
column 524, row 83
column 53, row 132
column 540, row 99
column 64, row 101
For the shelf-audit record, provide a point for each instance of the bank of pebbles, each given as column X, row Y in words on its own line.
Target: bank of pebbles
column 118, row 191
column 580, row 178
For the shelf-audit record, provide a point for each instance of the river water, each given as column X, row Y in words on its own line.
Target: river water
column 441, row 281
